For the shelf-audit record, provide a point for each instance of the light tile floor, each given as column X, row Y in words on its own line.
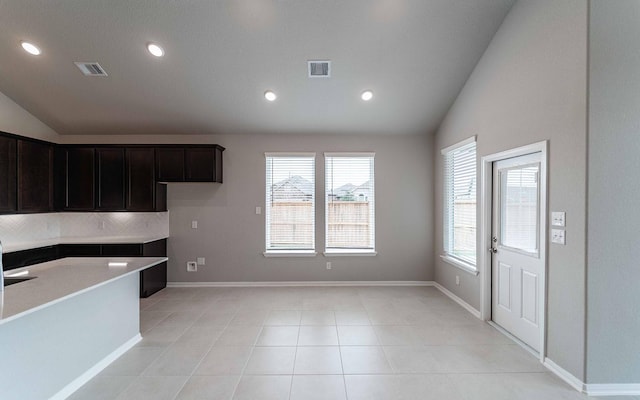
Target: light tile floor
column 318, row 343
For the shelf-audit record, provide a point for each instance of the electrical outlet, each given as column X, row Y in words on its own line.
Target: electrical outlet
column 194, row 224
column 258, row 210
column 557, row 236
column 458, row 280
column 558, row 218
column 200, row 260
column 192, row 266
column 328, row 264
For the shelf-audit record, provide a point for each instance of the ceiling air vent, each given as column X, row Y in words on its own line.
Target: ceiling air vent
column 91, row 68
column 319, row 69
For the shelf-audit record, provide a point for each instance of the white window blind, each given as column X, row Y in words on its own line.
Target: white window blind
column 460, row 201
column 290, row 201
column 519, row 207
column 350, row 202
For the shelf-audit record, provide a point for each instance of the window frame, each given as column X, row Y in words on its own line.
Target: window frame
column 283, row 252
column 350, row 251
column 448, row 256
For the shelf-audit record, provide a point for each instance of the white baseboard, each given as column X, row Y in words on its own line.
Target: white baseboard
column 96, row 369
column 593, row 389
column 299, row 284
column 458, row 300
column 565, row 375
column 612, row 389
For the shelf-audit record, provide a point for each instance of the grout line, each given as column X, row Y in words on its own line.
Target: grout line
column 248, row 358
column 208, row 350
column 119, row 393
column 344, row 380
column 295, row 356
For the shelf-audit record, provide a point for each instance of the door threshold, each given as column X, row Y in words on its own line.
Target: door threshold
column 515, row 339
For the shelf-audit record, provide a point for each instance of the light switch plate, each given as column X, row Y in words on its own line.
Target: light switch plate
column 558, row 218
column 194, row 224
column 557, row 236
column 258, row 210
column 200, row 260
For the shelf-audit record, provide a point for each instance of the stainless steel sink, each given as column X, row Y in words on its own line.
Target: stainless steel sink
column 11, row 280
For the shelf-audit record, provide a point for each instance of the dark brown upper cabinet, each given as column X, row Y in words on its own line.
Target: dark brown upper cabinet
column 141, row 182
column 35, row 176
column 79, row 179
column 108, row 178
column 111, row 179
column 189, row 163
column 38, row 176
column 8, row 171
column 200, row 165
column 170, row 164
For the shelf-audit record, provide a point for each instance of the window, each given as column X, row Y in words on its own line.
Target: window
column 290, row 203
column 350, row 203
column 460, row 203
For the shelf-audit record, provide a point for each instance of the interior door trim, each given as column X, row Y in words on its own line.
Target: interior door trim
column 484, row 259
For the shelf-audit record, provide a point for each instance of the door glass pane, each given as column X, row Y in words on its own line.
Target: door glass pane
column 519, row 208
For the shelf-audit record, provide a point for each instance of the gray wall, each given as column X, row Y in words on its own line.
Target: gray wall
column 613, row 325
column 15, row 119
column 231, row 236
column 529, row 86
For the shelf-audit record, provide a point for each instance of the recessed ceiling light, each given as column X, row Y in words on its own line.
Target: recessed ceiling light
column 155, row 50
column 269, row 95
column 31, row 48
column 367, row 95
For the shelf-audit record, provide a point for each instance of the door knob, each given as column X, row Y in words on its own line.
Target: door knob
column 493, row 250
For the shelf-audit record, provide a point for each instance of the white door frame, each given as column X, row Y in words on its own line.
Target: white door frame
column 486, row 190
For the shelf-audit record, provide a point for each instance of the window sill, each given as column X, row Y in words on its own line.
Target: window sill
column 466, row 267
column 350, row 253
column 290, row 253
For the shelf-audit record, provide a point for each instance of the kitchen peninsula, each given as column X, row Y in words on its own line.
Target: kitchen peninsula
column 66, row 324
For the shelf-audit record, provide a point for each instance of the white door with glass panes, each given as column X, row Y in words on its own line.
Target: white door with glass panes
column 517, row 266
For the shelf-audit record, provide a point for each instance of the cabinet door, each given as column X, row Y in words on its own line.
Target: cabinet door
column 200, row 164
column 35, row 176
column 7, row 174
column 140, row 179
column 156, row 248
column 153, row 279
column 79, row 179
column 170, row 164
column 161, row 197
column 111, row 179
column 122, row 250
column 80, row 250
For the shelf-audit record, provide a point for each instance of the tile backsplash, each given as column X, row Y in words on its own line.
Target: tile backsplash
column 19, row 231
column 114, row 224
column 23, row 228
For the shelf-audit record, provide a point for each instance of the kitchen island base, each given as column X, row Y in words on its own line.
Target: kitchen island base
column 52, row 351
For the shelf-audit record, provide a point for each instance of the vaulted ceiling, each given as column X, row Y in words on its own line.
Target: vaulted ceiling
column 222, row 55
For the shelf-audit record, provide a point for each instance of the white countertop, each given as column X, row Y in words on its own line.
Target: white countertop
column 60, row 279
column 10, row 247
